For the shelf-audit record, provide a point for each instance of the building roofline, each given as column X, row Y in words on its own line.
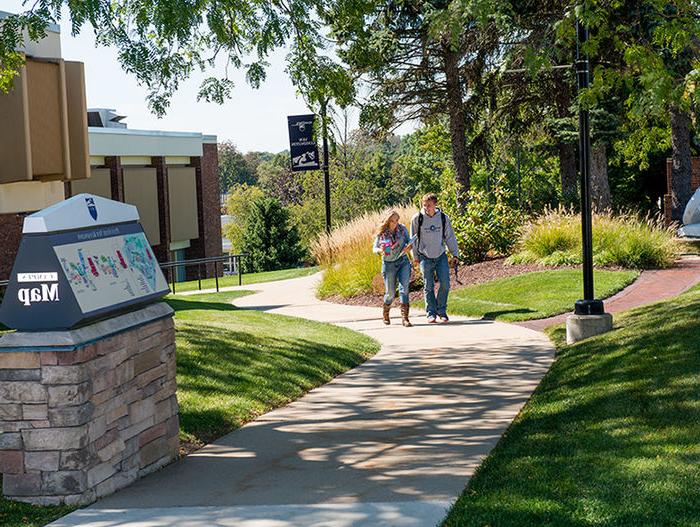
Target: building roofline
column 149, row 133
column 53, row 28
column 127, row 142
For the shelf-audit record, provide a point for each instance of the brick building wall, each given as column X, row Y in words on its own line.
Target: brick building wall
column 209, row 212
column 10, row 236
column 694, row 184
column 208, row 242
column 162, row 250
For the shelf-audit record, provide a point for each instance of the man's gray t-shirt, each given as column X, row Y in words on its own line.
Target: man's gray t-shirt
column 431, row 244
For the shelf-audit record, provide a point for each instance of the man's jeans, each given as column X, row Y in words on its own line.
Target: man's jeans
column 392, row 271
column 429, row 267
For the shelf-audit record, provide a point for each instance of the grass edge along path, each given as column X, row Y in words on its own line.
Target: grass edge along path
column 18, row 514
column 540, row 294
column 609, row 437
column 247, row 279
column 236, row 364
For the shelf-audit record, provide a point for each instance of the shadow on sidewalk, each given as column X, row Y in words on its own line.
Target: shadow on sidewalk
column 411, row 425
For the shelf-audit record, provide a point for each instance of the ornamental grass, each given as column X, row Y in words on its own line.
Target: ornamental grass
column 346, row 254
column 619, row 240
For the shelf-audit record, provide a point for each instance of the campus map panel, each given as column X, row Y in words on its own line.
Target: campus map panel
column 110, row 271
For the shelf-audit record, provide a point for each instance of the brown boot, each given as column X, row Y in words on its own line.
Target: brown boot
column 404, row 316
column 387, row 320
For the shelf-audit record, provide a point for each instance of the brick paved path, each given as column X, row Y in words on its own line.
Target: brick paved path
column 651, row 286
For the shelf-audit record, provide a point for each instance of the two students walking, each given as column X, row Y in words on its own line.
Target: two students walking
column 431, row 234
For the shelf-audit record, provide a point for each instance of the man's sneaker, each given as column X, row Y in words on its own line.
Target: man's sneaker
column 431, row 319
column 444, row 319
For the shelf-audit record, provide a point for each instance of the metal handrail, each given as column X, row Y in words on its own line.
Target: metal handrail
column 202, row 261
column 208, row 259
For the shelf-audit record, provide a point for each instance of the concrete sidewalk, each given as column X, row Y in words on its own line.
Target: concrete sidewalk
column 391, row 443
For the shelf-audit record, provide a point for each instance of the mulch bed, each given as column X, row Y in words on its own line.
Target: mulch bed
column 478, row 273
column 187, row 447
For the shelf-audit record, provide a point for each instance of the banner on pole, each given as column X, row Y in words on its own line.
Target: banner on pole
column 302, row 146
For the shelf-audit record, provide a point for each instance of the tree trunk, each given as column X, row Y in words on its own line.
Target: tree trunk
column 568, row 163
column 458, row 126
column 681, row 173
column 567, row 172
column 600, row 188
column 346, row 165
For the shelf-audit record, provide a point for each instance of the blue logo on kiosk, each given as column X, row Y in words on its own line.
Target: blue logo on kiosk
column 90, row 202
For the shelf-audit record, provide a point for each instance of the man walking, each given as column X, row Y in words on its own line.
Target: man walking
column 434, row 231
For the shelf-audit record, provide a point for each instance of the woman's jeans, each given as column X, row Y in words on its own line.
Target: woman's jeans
column 429, row 267
column 399, row 270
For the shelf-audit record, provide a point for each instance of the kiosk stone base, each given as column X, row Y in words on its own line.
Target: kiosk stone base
column 87, row 411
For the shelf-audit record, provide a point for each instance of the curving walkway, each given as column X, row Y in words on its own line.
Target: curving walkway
column 389, row 443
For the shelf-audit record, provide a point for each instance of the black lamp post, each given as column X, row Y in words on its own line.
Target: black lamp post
column 326, row 173
column 589, row 305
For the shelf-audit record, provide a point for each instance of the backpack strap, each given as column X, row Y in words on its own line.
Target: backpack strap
column 444, row 220
column 420, row 225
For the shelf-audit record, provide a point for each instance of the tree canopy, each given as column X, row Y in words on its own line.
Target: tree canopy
column 486, row 80
column 162, row 43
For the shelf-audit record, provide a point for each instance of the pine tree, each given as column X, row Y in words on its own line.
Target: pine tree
column 270, row 240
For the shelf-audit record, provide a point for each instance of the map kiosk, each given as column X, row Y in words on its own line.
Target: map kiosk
column 80, row 260
column 88, row 385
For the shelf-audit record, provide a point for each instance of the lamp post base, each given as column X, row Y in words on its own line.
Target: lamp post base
column 581, row 327
column 589, row 307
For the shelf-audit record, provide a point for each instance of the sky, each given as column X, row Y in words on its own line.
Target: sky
column 251, row 119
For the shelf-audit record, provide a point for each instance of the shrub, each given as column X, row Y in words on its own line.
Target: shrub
column 269, row 239
column 309, row 218
column 623, row 240
column 346, row 255
column 238, row 207
column 488, row 226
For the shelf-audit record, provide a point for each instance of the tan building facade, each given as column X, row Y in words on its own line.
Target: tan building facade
column 49, row 153
column 172, row 181
column 171, row 177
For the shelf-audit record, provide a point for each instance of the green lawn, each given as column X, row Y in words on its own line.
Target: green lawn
column 609, row 438
column 234, row 365
column 15, row 514
column 250, row 278
column 532, row 295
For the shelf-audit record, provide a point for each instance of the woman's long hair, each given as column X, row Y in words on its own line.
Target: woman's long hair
column 384, row 227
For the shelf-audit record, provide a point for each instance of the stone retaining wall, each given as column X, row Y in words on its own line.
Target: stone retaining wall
column 81, row 423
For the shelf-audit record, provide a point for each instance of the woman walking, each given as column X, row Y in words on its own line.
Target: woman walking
column 393, row 242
